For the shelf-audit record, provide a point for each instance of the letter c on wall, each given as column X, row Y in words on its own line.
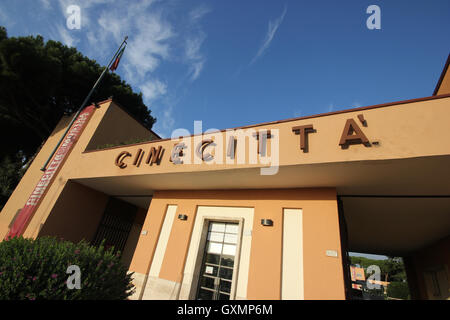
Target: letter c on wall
column 120, row 158
column 200, row 150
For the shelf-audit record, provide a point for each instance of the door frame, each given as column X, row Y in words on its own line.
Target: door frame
column 201, row 251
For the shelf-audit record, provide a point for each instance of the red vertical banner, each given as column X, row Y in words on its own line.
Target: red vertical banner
column 27, row 212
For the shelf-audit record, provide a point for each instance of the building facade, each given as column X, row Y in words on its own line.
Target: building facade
column 268, row 211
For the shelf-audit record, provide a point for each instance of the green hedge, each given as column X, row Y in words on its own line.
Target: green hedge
column 399, row 290
column 36, row 270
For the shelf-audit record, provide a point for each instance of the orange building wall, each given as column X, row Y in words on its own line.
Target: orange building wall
column 443, row 86
column 395, row 140
column 133, row 237
column 76, row 214
column 179, row 240
column 323, row 275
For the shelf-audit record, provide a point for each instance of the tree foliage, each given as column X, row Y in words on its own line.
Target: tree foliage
column 398, row 290
column 11, row 170
column 39, row 83
column 392, row 268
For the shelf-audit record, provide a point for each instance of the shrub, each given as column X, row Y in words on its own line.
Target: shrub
column 36, row 269
column 398, row 290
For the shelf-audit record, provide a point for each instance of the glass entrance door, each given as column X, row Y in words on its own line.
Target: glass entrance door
column 217, row 268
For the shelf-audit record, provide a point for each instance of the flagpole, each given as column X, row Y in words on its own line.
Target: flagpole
column 84, row 102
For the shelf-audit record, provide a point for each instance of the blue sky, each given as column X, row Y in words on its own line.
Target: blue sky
column 232, row 63
column 368, row 256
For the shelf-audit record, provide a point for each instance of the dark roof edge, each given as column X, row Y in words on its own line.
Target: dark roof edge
column 444, row 71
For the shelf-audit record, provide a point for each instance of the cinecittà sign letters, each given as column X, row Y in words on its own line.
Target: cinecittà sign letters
column 351, row 134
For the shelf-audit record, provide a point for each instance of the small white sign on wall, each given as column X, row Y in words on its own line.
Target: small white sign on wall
column 209, row 270
column 332, row 253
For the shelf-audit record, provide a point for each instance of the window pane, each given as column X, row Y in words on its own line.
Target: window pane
column 215, row 236
column 227, row 261
column 225, row 286
column 214, row 247
column 217, row 226
column 230, row 238
column 212, row 258
column 205, row 295
column 226, row 273
column 232, row 228
column 229, row 249
column 207, row 282
column 224, row 297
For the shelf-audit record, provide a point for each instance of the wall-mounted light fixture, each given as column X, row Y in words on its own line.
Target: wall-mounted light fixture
column 267, row 222
column 182, row 217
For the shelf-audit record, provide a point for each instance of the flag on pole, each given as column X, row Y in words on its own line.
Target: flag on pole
column 116, row 62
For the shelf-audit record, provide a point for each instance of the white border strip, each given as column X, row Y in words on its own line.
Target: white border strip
column 292, row 287
column 162, row 241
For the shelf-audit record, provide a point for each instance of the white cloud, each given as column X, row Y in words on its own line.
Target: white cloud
column 110, row 24
column 194, row 57
column 193, row 43
column 150, row 46
column 87, row 9
column 167, row 122
column 272, row 29
column 198, row 13
column 196, row 68
column 66, row 37
column 149, row 35
column 155, row 41
column 153, row 89
column 46, row 4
